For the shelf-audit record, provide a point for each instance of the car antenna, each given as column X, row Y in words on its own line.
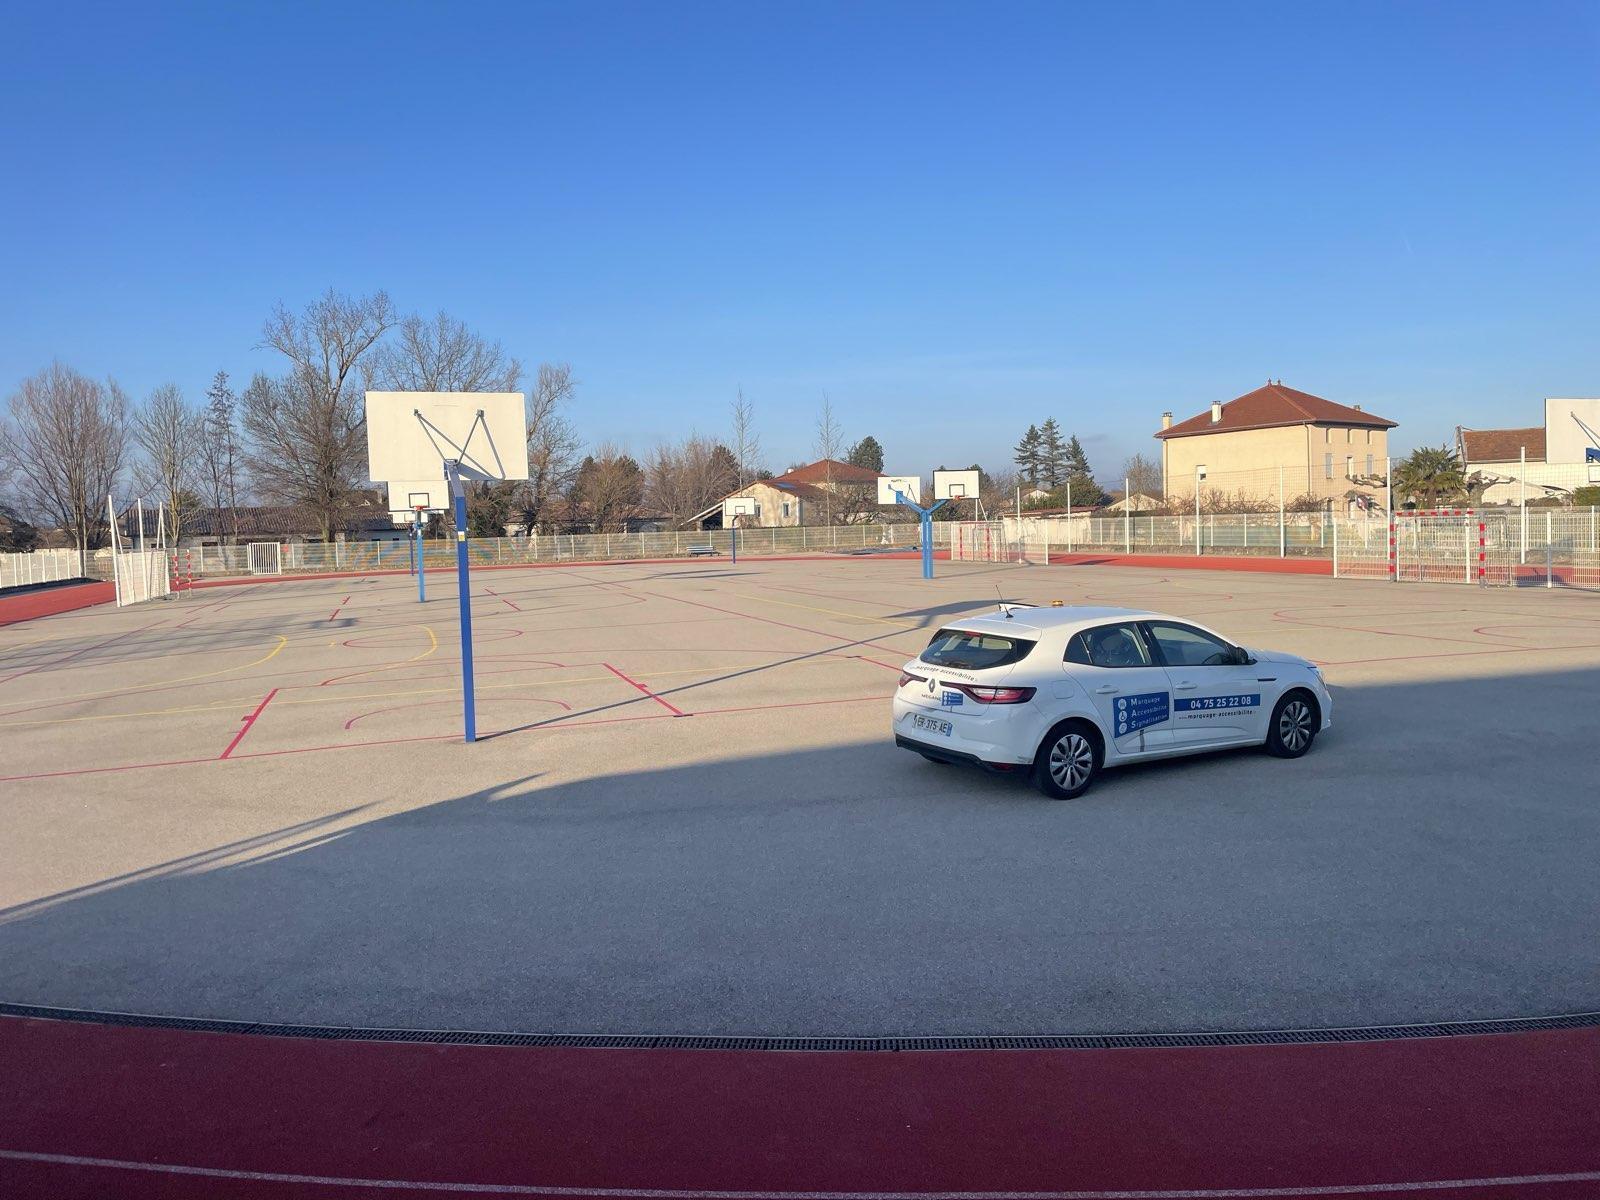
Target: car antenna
column 1002, row 600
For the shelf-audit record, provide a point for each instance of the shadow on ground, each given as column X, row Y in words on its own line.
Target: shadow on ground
column 1431, row 859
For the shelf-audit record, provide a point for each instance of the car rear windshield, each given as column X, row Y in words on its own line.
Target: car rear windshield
column 968, row 651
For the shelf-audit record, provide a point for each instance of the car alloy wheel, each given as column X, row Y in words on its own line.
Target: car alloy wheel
column 1295, row 726
column 1071, row 761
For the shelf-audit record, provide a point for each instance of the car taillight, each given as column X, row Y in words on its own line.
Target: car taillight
column 907, row 677
column 997, row 695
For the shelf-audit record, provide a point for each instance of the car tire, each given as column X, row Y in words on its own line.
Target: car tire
column 1068, row 760
column 1294, row 724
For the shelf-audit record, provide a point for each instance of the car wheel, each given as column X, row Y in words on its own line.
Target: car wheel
column 1067, row 762
column 1293, row 726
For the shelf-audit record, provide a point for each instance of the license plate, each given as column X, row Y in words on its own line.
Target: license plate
column 932, row 724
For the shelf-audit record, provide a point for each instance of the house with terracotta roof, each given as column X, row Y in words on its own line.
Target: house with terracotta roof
column 1277, row 438
column 805, row 495
column 1537, row 462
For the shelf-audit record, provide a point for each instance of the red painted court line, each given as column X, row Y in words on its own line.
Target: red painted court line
column 136, row 1113
column 501, row 598
column 673, row 709
column 335, row 612
column 248, row 722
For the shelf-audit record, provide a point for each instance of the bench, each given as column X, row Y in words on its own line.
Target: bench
column 702, row 551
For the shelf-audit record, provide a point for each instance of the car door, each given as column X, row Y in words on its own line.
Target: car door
column 1114, row 664
column 1216, row 700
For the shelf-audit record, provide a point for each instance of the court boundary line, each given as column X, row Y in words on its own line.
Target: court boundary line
column 1268, row 1192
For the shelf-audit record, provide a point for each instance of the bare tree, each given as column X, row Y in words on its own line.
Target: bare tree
column 552, row 445
column 829, row 446
column 610, row 486
column 689, row 477
column 307, row 431
column 169, row 433
column 1143, row 476
column 746, row 442
column 441, row 355
column 219, row 454
column 66, row 438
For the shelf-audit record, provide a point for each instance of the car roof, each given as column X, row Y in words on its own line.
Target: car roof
column 1037, row 620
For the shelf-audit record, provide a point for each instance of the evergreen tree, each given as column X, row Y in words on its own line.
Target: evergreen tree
column 1075, row 468
column 1027, row 456
column 1052, row 456
column 866, row 453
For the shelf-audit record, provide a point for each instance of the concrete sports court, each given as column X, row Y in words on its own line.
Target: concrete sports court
column 686, row 815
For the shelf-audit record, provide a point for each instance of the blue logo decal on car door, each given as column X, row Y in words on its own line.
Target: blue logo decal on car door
column 1137, row 712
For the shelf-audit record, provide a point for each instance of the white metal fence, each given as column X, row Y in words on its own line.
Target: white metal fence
column 39, row 566
column 1357, row 546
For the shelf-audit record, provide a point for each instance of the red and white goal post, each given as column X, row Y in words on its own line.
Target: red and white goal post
column 1451, row 545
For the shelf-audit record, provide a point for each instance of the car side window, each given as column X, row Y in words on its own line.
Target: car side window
column 1186, row 646
column 1110, row 646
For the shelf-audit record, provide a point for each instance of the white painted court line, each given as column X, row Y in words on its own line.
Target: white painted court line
column 517, row 1189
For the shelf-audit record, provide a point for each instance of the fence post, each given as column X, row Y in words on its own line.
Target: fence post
column 1466, row 539
column 1335, row 548
column 1549, row 549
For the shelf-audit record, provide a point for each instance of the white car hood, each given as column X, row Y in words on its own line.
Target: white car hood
column 1281, row 656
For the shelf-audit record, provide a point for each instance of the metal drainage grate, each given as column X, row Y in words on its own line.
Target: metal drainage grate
column 1107, row 1041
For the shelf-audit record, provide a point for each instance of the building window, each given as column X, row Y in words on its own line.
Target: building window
column 1327, row 466
column 1369, row 437
column 786, row 509
column 1327, row 433
column 1349, row 465
column 1369, row 464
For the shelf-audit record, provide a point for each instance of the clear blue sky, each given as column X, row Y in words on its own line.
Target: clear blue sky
column 955, row 219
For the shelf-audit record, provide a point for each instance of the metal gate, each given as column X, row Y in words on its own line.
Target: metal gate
column 266, row 558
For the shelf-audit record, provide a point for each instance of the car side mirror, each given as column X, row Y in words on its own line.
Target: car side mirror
column 1241, row 657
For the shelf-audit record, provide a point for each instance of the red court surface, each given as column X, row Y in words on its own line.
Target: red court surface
column 99, row 1111
column 47, row 602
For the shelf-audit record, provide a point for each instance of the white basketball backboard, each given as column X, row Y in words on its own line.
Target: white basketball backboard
column 1571, row 429
column 910, row 486
column 405, row 495
column 410, row 435
column 740, row 506
column 956, row 485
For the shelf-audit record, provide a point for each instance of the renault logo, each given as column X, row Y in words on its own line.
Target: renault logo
column 932, row 684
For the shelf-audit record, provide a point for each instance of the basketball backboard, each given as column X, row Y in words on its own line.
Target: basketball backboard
column 410, row 435
column 909, row 486
column 740, row 506
column 956, row 485
column 406, row 495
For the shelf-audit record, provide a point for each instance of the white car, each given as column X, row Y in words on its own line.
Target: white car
column 1065, row 691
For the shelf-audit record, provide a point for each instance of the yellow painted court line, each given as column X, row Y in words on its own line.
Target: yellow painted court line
column 832, row 612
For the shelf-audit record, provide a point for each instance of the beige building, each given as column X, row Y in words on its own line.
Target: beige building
column 1276, row 437
column 804, row 496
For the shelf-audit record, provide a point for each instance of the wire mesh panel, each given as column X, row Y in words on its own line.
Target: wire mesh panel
column 266, row 558
column 141, row 575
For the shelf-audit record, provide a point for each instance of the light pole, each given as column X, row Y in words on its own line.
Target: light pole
column 1199, row 474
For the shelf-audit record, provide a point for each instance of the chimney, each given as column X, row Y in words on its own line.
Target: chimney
column 1216, row 411
column 1358, row 408
column 1166, row 420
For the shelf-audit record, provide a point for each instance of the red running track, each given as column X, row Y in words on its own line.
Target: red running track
column 102, row 1111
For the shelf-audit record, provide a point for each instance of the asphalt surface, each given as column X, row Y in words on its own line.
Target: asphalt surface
column 770, row 863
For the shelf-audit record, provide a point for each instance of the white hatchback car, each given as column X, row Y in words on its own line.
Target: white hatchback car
column 1065, row 691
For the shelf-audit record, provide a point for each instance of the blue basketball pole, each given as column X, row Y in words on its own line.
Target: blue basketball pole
column 468, row 701
column 927, row 529
column 733, row 543
column 416, row 546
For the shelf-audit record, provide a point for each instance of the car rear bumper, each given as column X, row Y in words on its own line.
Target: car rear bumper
column 946, row 754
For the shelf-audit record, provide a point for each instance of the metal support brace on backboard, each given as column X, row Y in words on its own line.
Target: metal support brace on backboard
column 927, row 528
